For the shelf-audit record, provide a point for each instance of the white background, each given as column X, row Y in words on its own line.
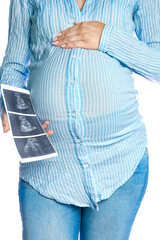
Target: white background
column 147, row 224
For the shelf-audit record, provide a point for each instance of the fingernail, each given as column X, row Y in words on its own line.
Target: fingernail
column 53, row 39
column 63, row 45
column 56, row 42
column 59, row 34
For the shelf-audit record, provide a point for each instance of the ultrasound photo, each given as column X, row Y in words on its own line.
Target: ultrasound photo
column 18, row 102
column 29, row 136
column 25, row 125
column 34, row 146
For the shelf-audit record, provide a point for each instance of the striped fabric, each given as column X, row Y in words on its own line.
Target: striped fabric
column 87, row 95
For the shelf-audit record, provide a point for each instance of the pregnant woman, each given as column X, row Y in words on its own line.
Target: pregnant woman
column 76, row 58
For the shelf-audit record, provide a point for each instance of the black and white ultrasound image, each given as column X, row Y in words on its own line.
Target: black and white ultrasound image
column 29, row 136
column 18, row 102
column 25, row 125
column 34, row 146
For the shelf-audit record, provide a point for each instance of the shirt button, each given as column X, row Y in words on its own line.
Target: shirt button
column 72, row 81
column 74, row 56
column 74, row 114
column 78, row 140
column 86, row 165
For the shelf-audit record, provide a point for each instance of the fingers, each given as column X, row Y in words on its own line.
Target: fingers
column 82, row 35
column 49, row 133
column 74, row 41
column 74, row 37
column 44, row 125
column 5, row 122
column 70, row 29
column 6, row 127
column 67, row 33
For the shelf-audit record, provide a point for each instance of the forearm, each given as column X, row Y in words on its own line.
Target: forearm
column 137, row 55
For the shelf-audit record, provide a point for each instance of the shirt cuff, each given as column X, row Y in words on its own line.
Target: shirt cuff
column 104, row 37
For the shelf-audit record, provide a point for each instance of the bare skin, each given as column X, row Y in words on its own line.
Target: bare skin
column 82, row 35
column 80, row 4
column 6, row 128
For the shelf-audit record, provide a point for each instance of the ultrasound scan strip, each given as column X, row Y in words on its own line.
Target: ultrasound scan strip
column 30, row 138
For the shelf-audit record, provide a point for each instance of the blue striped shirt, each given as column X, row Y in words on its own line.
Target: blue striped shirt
column 87, row 95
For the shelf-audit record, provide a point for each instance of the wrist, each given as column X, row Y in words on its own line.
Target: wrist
column 104, row 37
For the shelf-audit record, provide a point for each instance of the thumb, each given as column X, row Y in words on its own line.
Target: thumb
column 5, row 122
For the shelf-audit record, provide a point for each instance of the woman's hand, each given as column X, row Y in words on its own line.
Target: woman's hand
column 6, row 128
column 81, row 35
column 44, row 125
column 5, row 122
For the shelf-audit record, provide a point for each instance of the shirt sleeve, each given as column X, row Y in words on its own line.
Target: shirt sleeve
column 141, row 53
column 14, row 69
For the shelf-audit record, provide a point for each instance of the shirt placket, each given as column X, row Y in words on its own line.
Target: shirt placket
column 76, row 120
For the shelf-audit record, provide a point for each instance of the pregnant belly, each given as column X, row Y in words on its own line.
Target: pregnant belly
column 104, row 99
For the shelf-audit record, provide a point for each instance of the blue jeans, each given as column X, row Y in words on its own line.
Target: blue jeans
column 46, row 219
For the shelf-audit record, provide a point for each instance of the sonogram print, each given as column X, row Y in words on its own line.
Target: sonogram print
column 25, row 125
column 20, row 104
column 34, row 146
column 29, row 136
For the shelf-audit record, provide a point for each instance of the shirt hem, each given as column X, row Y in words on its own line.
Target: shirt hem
column 103, row 196
column 129, row 175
